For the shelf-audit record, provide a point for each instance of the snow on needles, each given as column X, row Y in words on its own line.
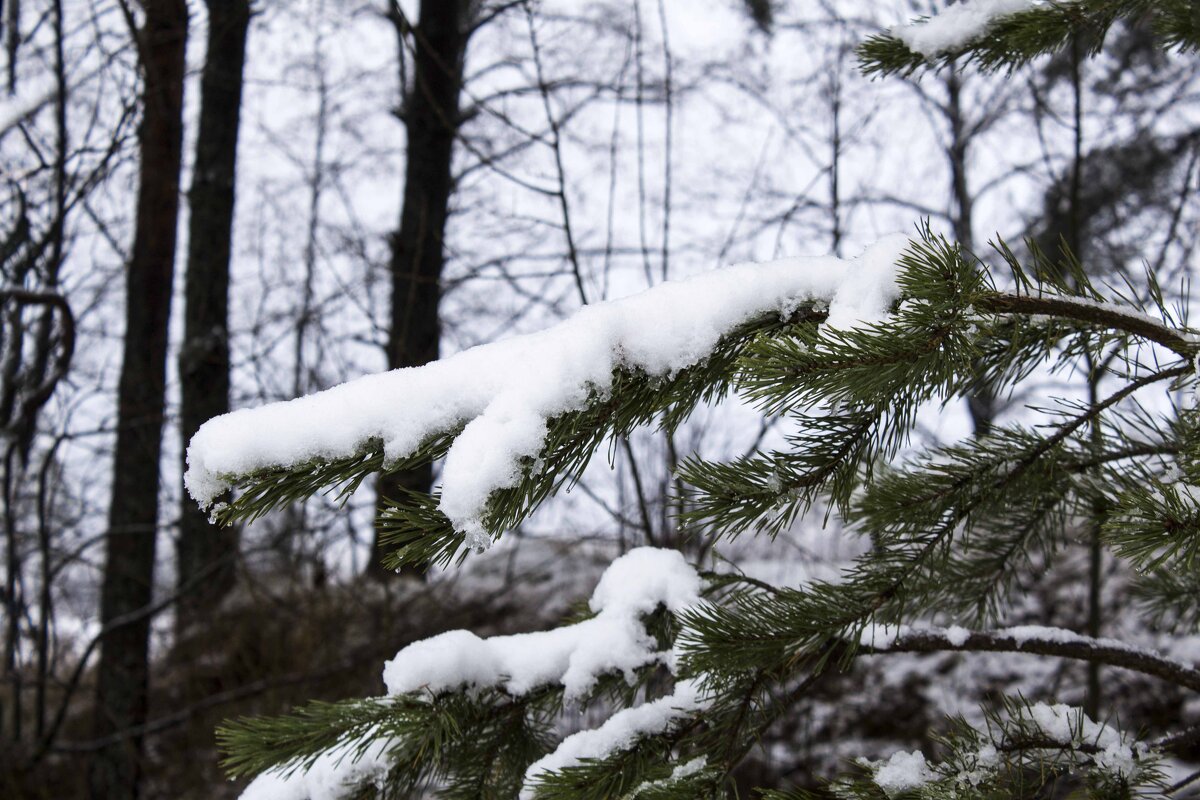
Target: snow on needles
column 333, row 776
column 505, row 392
column 613, row 641
column 618, row 732
column 903, row 772
column 1061, row 725
column 956, row 26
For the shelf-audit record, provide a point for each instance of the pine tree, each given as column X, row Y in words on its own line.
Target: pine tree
column 695, row 667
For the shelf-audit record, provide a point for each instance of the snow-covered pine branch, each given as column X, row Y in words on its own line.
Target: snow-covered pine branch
column 568, row 665
column 1032, row 639
column 496, row 402
column 690, row 686
column 949, row 511
column 1005, row 34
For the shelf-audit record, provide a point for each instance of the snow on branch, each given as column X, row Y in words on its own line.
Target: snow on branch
column 958, row 25
column 621, row 731
column 334, row 775
column 613, row 641
column 1023, row 736
column 503, row 394
column 1033, row 639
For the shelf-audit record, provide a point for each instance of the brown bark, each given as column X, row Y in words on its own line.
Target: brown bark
column 206, row 553
column 431, row 118
column 122, row 675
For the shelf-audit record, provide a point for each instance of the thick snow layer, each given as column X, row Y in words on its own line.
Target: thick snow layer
column 614, row 641
column 618, row 732
column 505, row 392
column 334, row 775
column 956, row 26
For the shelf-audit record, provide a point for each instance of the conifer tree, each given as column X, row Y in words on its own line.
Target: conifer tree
column 693, row 668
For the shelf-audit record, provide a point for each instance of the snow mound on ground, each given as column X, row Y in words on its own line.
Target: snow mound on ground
column 505, row 392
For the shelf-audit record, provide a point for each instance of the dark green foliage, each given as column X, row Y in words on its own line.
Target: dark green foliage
column 766, row 492
column 1017, row 39
column 1171, row 599
column 266, row 490
column 468, row 744
column 1012, row 757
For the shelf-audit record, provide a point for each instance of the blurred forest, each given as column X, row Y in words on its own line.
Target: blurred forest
column 212, row 205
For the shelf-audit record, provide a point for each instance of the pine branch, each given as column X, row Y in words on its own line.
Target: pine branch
column 1014, row 40
column 423, row 535
column 915, row 521
column 767, row 492
column 1170, row 598
column 1101, row 315
column 1052, row 642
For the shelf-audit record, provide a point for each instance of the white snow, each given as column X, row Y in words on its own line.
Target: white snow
column 614, row 641
column 334, row 775
column 957, row 636
column 1066, row 724
column 619, row 731
column 985, row 762
column 957, row 25
column 505, row 392
column 884, row 637
column 903, row 772
column 1060, row 724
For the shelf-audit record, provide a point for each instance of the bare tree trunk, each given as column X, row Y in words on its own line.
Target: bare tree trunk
column 207, row 553
column 981, row 402
column 431, row 118
column 122, row 677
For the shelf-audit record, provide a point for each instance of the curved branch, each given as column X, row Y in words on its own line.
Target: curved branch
column 1049, row 642
column 1102, row 314
column 54, row 302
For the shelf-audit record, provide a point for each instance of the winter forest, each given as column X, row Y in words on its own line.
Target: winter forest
column 585, row 399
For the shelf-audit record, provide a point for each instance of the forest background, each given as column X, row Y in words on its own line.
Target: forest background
column 495, row 166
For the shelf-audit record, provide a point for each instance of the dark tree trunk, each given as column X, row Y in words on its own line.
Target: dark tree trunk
column 418, row 254
column 981, row 402
column 207, row 554
column 122, row 676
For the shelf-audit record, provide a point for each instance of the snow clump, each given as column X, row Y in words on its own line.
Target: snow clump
column 902, row 772
column 503, row 394
column 613, row 641
column 958, row 25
